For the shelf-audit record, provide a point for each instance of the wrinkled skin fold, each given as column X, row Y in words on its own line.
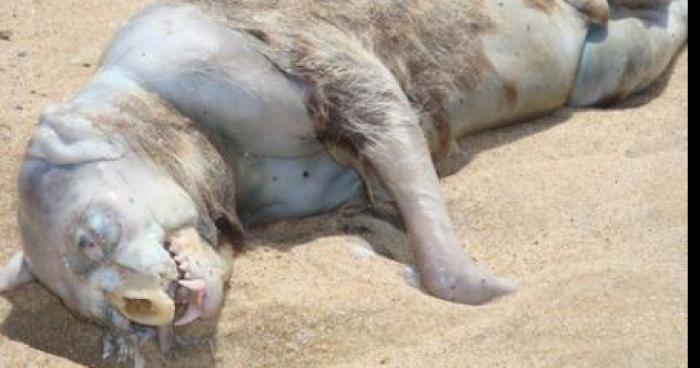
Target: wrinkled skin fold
column 121, row 239
column 205, row 110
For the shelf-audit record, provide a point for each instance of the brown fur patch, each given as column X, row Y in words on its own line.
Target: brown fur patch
column 510, row 93
column 342, row 49
column 159, row 133
column 433, row 104
column 596, row 10
column 445, row 137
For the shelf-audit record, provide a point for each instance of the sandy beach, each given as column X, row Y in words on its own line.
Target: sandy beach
column 586, row 209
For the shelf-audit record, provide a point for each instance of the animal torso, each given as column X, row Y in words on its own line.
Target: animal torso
column 237, row 68
column 465, row 65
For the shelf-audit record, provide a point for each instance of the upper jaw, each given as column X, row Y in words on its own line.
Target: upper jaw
column 188, row 294
column 176, row 297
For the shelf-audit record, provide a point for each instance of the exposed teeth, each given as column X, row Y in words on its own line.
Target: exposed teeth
column 195, row 289
column 196, row 298
column 193, row 313
column 180, row 261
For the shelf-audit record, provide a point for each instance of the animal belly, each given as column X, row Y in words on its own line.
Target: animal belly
column 274, row 188
column 533, row 55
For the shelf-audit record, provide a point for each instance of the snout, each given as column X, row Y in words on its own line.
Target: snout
column 141, row 299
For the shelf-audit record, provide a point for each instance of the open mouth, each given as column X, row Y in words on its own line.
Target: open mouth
column 146, row 300
column 187, row 292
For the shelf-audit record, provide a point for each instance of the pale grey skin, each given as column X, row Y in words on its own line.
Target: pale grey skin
column 212, row 75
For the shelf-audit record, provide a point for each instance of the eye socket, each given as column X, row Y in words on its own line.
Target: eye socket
column 85, row 243
column 94, row 240
column 103, row 228
column 89, row 248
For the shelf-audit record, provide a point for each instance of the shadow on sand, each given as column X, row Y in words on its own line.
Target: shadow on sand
column 39, row 320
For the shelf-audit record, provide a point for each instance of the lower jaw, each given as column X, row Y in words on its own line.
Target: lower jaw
column 189, row 301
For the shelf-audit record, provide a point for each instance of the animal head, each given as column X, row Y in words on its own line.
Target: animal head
column 99, row 216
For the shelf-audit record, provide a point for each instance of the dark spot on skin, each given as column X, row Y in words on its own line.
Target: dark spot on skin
column 22, row 54
column 274, row 178
column 306, row 174
column 5, row 35
column 510, row 93
column 483, row 281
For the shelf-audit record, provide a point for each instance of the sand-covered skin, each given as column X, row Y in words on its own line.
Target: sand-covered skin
column 587, row 210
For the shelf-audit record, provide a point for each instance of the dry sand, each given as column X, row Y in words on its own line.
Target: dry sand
column 586, row 209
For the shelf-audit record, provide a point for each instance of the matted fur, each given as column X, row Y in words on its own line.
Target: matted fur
column 158, row 133
column 361, row 56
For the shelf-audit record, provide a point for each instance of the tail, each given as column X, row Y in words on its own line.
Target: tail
column 631, row 52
